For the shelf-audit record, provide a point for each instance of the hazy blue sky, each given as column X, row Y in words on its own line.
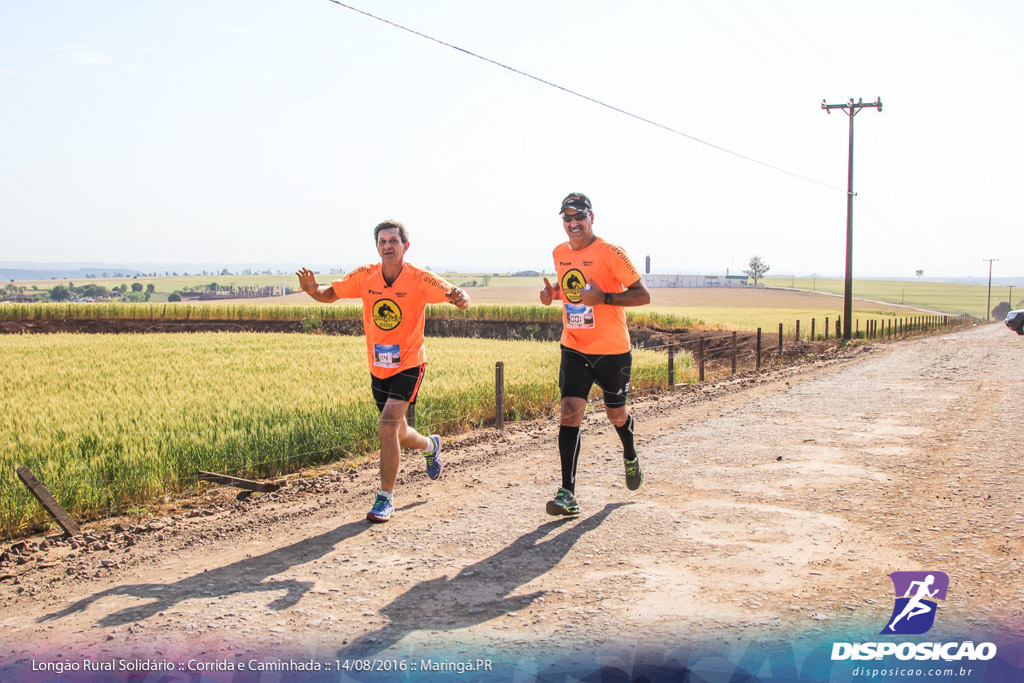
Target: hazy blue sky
column 241, row 132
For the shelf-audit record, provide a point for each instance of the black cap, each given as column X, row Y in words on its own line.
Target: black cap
column 577, row 201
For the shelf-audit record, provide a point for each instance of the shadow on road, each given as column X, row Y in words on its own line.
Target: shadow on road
column 247, row 576
column 479, row 592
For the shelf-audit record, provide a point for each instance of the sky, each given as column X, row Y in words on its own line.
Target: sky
column 284, row 131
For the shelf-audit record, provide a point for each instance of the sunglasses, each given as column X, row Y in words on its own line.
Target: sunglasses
column 580, row 216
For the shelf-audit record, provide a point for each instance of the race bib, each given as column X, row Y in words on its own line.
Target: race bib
column 386, row 355
column 580, row 316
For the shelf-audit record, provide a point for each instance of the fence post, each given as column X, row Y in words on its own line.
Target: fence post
column 671, row 367
column 759, row 349
column 499, row 395
column 796, row 337
column 839, row 329
column 734, row 352
column 812, row 329
column 780, row 341
column 826, row 329
column 410, row 415
column 701, row 360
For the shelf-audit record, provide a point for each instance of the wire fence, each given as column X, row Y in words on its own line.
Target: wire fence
column 690, row 359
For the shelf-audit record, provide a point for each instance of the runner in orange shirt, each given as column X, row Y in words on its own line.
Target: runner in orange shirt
column 394, row 294
column 595, row 281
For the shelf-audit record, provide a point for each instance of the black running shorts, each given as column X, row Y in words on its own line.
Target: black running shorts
column 403, row 386
column 579, row 371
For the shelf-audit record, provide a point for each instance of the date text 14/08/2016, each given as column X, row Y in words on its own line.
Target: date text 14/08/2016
column 422, row 665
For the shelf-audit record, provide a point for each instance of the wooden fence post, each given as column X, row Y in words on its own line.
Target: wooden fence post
column 812, row 329
column 796, row 337
column 759, row 348
column 499, row 396
column 671, row 367
column 826, row 329
column 734, row 352
column 46, row 499
column 410, row 415
column 701, row 359
column 780, row 341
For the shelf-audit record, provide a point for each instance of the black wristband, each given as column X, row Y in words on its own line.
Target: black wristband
column 608, row 298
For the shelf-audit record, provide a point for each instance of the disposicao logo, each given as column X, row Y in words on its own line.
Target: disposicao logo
column 913, row 613
column 915, row 607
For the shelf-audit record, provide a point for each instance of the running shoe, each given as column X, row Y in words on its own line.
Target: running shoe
column 564, row 503
column 382, row 509
column 634, row 475
column 434, row 465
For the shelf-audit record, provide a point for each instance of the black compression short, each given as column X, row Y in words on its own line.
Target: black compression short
column 579, row 371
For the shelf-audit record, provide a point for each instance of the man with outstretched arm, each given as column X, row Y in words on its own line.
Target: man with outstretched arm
column 394, row 295
column 596, row 280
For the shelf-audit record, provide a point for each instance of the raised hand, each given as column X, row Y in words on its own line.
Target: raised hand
column 547, row 294
column 307, row 280
column 592, row 295
column 459, row 298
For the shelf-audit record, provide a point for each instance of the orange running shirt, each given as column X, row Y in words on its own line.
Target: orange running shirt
column 393, row 316
column 601, row 328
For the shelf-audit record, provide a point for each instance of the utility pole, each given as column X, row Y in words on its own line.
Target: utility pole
column 851, row 109
column 988, row 306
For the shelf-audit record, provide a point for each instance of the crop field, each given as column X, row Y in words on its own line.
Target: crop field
column 946, row 297
column 112, row 421
column 340, row 311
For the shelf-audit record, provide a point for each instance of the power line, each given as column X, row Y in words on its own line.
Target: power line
column 585, row 97
column 900, row 237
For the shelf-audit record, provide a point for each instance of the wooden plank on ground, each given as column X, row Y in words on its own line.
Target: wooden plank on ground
column 47, row 500
column 247, row 484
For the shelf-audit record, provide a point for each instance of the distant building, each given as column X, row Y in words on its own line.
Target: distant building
column 669, row 280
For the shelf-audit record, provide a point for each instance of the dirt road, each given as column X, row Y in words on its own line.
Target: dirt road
column 774, row 508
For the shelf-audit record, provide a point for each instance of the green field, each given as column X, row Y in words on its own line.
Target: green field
column 935, row 296
column 111, row 421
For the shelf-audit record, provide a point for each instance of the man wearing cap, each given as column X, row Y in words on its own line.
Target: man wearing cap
column 596, row 281
column 394, row 295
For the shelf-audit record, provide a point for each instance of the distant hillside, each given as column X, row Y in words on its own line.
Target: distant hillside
column 7, row 274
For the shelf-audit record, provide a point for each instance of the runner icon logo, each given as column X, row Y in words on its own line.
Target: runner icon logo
column 915, row 607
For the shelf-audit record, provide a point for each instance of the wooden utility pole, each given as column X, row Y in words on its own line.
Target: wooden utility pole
column 988, row 306
column 851, row 108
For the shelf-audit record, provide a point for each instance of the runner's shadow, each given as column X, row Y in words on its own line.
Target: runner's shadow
column 480, row 592
column 247, row 576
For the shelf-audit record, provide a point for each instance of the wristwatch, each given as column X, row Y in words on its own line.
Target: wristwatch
column 608, row 298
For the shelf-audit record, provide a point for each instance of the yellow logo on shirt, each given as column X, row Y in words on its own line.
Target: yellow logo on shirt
column 572, row 285
column 386, row 314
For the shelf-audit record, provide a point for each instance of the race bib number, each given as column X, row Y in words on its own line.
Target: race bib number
column 580, row 316
column 386, row 355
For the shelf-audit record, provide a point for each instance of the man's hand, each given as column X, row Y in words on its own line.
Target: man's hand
column 307, row 281
column 547, row 294
column 459, row 298
column 592, row 296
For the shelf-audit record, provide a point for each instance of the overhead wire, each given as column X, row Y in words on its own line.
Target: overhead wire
column 588, row 98
column 644, row 119
column 895, row 141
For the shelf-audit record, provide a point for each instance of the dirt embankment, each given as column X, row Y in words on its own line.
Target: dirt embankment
column 717, row 343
